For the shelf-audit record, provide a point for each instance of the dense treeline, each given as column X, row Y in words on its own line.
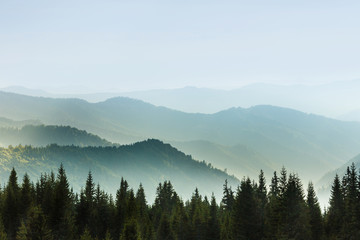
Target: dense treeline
column 42, row 135
column 148, row 162
column 49, row 209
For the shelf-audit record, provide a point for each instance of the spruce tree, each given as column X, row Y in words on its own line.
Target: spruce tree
column 228, row 197
column 60, row 213
column 213, row 228
column 26, row 196
column 245, row 218
column 336, row 209
column 316, row 223
column 11, row 208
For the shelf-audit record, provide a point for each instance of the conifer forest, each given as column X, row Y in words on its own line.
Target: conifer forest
column 280, row 209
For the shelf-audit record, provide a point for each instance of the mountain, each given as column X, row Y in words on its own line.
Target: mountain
column 341, row 98
column 308, row 144
column 238, row 159
column 42, row 135
column 328, row 178
column 148, row 162
column 5, row 122
column 336, row 99
column 326, row 181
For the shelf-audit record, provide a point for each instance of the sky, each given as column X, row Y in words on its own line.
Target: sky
column 94, row 46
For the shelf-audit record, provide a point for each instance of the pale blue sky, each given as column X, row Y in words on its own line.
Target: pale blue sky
column 131, row 45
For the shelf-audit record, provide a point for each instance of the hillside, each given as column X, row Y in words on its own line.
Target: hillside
column 328, row 178
column 42, row 135
column 278, row 136
column 148, row 162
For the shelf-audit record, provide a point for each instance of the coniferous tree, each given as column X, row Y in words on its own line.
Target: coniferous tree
column 294, row 214
column 11, row 209
column 213, row 231
column 61, row 215
column 245, row 218
column 316, row 223
column 86, row 235
column 180, row 223
column 228, row 197
column 36, row 227
column 26, row 196
column 146, row 228
column 121, row 205
column 3, row 235
column 261, row 198
column 351, row 227
column 272, row 220
column 336, row 210
column 164, row 230
column 130, row 231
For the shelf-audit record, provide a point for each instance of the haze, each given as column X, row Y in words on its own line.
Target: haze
column 96, row 46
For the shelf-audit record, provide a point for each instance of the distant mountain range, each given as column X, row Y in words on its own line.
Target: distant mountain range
column 337, row 100
column 240, row 140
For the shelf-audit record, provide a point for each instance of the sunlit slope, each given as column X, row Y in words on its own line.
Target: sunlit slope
column 148, row 162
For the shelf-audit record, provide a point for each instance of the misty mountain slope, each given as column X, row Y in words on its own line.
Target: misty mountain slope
column 336, row 99
column 326, row 181
column 239, row 160
column 148, row 162
column 9, row 123
column 328, row 178
column 283, row 136
column 191, row 99
column 42, row 135
column 74, row 112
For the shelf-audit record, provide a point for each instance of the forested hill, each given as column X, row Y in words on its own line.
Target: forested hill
column 275, row 136
column 148, row 162
column 41, row 135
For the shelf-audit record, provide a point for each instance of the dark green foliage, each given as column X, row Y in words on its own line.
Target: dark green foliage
column 316, row 222
column 283, row 213
column 148, row 162
column 11, row 209
column 245, row 221
column 335, row 215
column 35, row 227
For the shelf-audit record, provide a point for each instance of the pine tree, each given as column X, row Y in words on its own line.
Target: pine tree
column 130, row 231
column 11, row 209
column 164, row 230
column 245, row 218
column 60, row 213
column 121, row 205
column 180, row 224
column 3, row 235
column 316, row 225
column 351, row 204
column 261, row 201
column 86, row 235
column 36, row 227
column 26, row 196
column 213, row 229
column 228, row 197
column 294, row 214
column 22, row 233
column 336, row 210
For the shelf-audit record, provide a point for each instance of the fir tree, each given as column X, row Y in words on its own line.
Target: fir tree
column 336, row 210
column 316, row 224
column 11, row 209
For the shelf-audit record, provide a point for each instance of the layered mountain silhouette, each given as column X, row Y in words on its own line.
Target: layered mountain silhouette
column 148, row 162
column 306, row 143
